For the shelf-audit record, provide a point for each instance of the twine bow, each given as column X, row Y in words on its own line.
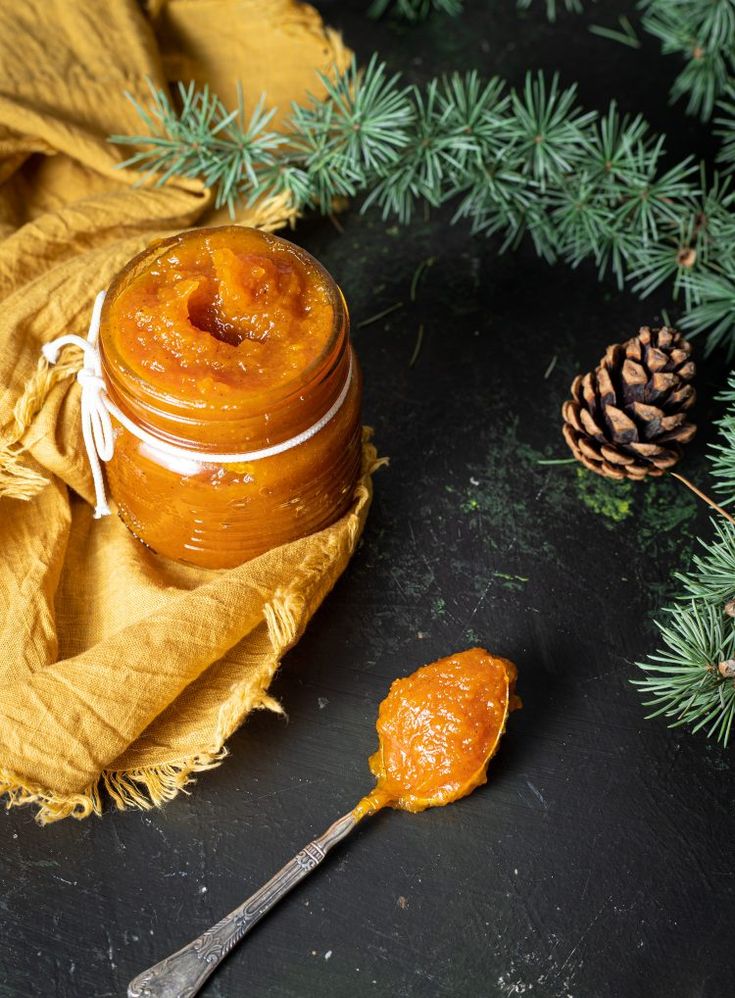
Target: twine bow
column 99, row 440
column 97, row 411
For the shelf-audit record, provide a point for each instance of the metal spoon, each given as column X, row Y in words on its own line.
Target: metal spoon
column 182, row 974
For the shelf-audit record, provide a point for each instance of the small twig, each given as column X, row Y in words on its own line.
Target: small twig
column 551, row 367
column 417, row 348
column 702, row 495
column 417, row 274
column 558, row 460
column 379, row 315
column 336, row 223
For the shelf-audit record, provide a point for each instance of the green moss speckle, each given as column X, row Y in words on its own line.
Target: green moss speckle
column 503, row 492
column 611, row 500
column 523, row 505
column 470, row 504
column 439, row 607
column 664, row 512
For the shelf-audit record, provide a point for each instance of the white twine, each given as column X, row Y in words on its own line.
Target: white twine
column 97, row 410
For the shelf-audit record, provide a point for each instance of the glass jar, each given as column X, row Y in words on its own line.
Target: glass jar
column 179, row 490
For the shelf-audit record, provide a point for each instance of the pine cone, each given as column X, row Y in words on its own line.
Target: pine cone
column 628, row 417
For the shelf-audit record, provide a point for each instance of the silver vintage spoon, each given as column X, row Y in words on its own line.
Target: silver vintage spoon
column 183, row 973
column 461, row 704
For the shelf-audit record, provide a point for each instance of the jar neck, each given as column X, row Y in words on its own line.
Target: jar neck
column 278, row 416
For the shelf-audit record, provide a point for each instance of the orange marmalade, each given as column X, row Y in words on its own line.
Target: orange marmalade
column 219, row 343
column 438, row 729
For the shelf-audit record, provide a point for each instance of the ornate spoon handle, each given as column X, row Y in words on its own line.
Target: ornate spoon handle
column 182, row 974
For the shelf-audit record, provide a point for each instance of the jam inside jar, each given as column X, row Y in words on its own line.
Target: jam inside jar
column 219, row 343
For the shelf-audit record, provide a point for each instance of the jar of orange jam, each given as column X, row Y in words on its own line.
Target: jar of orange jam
column 229, row 349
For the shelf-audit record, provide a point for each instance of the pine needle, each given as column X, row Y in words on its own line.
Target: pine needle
column 418, row 274
column 379, row 315
column 417, row 347
column 626, row 36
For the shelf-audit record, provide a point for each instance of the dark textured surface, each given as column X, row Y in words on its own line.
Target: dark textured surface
column 597, row 863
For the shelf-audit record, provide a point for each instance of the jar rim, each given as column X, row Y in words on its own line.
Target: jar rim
column 124, row 379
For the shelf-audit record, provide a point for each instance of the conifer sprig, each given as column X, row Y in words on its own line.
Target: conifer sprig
column 700, row 33
column 703, row 36
column 692, row 679
column 683, row 681
column 516, row 163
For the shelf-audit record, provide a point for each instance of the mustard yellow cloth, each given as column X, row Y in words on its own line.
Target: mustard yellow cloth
column 118, row 668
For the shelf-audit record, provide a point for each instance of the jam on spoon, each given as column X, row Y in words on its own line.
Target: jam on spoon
column 438, row 729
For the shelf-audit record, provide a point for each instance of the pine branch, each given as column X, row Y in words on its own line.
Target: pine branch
column 691, row 680
column 203, row 139
column 703, row 35
column 518, row 163
column 683, row 681
column 712, row 579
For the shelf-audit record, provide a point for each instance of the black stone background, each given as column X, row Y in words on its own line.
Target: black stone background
column 597, row 863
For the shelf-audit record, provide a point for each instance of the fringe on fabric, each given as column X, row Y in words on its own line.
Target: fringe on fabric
column 152, row 786
column 141, row 789
column 137, row 788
